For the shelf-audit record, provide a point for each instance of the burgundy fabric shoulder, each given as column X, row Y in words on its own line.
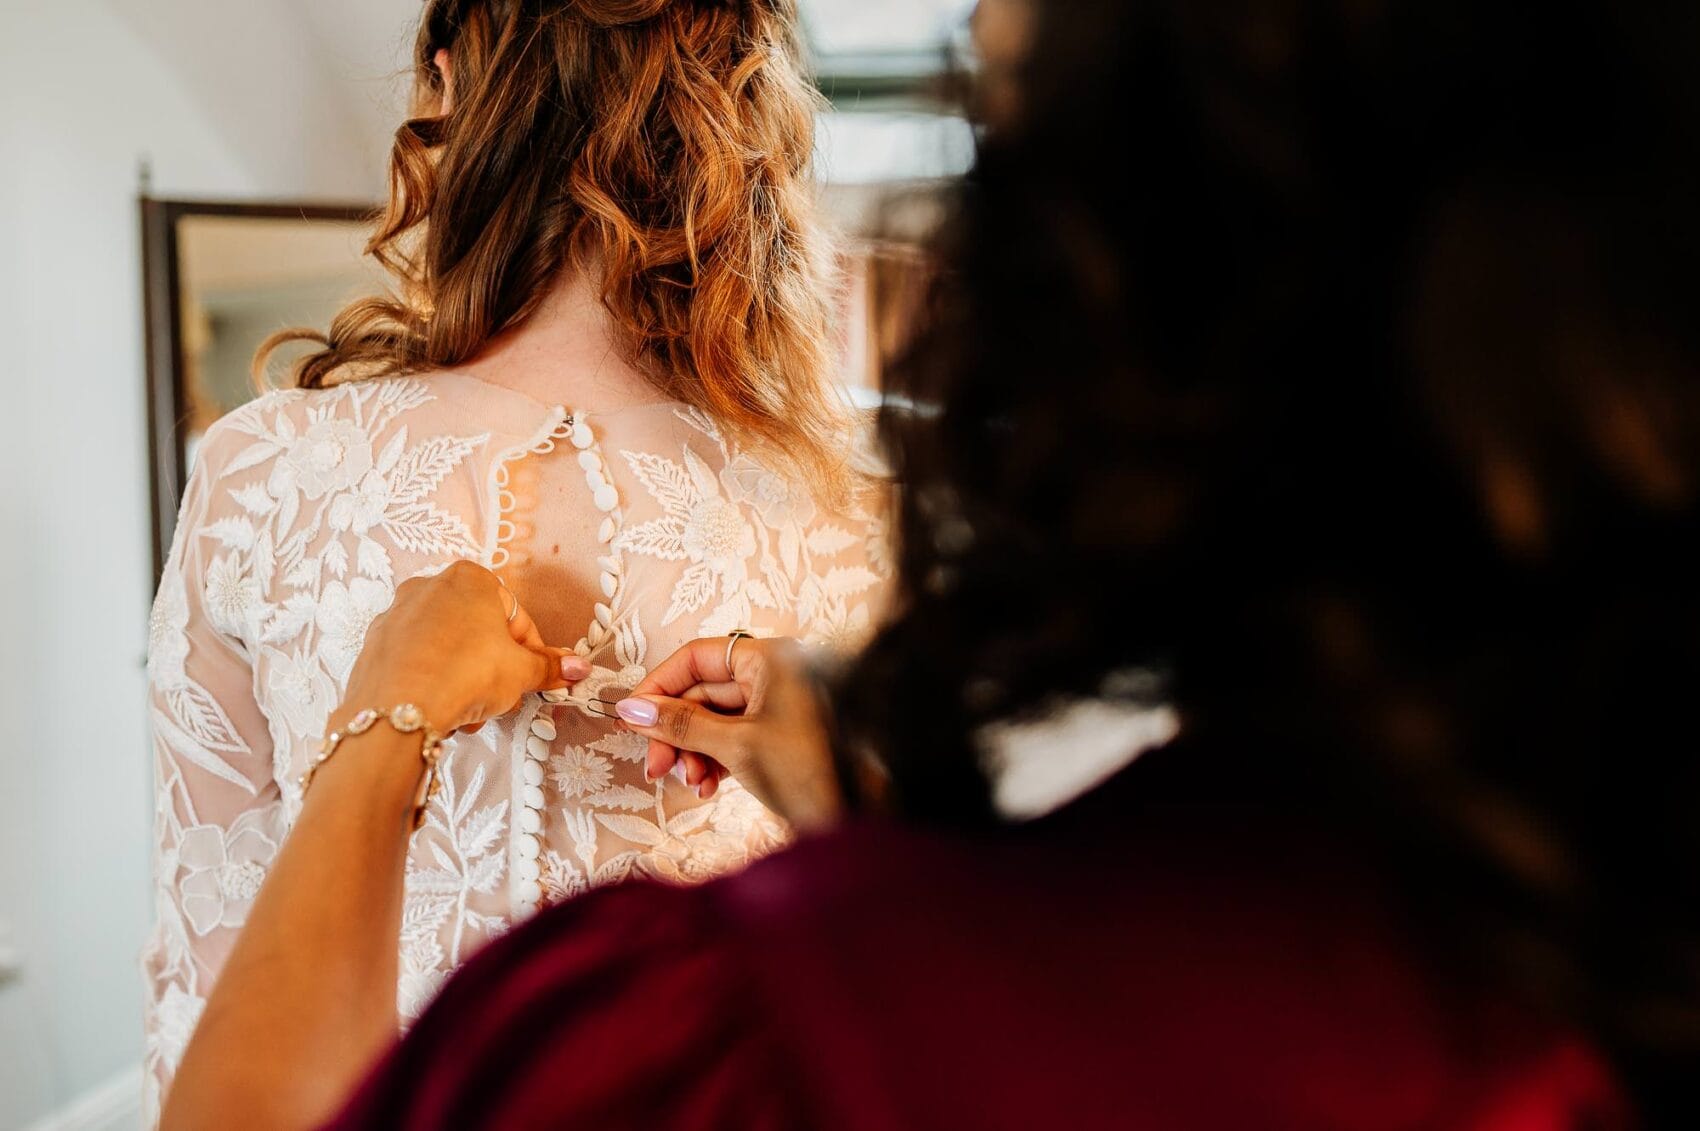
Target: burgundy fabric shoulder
column 628, row 1008
column 1192, row 969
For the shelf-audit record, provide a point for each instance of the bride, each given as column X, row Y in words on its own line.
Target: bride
column 603, row 375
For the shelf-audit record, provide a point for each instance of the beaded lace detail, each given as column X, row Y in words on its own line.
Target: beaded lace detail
column 305, row 510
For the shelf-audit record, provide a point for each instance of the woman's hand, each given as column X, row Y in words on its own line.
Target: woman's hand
column 311, row 979
column 448, row 646
column 760, row 719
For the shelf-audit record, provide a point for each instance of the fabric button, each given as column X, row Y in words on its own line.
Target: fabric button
column 543, row 727
column 532, row 796
column 527, row 847
column 524, row 910
column 532, row 772
column 530, row 892
column 606, row 499
column 530, row 821
column 606, row 534
column 537, row 747
column 528, row 871
column 610, row 585
column 590, row 461
column 581, row 435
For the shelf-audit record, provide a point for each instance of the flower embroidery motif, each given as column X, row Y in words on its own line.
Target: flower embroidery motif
column 225, row 870
column 168, row 639
column 235, row 603
column 717, row 535
column 778, row 501
column 363, row 507
column 841, row 630
column 577, row 771
column 345, row 613
column 783, row 562
column 698, row 525
column 331, row 455
column 301, row 690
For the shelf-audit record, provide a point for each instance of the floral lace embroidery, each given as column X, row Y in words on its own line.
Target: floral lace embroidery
column 706, row 521
column 307, row 510
column 293, row 574
column 468, row 855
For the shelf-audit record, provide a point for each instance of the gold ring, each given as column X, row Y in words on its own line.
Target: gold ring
column 514, row 612
column 734, row 636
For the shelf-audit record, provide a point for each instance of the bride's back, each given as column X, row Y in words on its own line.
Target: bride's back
column 604, row 372
column 626, row 524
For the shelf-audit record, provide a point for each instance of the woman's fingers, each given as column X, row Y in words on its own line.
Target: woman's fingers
column 694, row 677
column 564, row 668
column 694, row 771
column 720, row 696
column 568, row 667
column 659, row 760
column 697, row 768
column 458, row 645
column 520, row 625
column 700, row 661
column 561, row 667
column 684, row 726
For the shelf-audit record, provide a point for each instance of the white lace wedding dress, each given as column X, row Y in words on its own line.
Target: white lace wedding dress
column 640, row 528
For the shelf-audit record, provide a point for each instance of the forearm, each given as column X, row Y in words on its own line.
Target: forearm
column 306, row 1002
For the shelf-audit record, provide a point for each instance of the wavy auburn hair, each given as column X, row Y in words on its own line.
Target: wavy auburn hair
column 665, row 145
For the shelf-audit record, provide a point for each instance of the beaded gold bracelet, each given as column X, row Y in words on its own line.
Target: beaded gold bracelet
column 405, row 719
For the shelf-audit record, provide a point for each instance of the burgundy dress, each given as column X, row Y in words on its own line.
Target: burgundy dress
column 1117, row 965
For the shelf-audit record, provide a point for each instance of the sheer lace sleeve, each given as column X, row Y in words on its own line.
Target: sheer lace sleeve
column 217, row 811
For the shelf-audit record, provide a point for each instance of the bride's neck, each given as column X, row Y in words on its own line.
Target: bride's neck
column 565, row 351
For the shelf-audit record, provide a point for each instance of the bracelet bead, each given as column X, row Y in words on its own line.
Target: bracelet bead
column 403, row 719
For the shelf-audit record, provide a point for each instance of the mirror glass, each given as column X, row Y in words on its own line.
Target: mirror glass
column 244, row 278
column 222, row 277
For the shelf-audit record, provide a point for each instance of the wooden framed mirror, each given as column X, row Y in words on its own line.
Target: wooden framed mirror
column 219, row 278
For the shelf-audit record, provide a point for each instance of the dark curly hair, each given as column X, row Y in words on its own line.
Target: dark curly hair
column 1338, row 361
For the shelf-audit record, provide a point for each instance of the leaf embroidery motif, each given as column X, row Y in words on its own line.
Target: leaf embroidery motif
column 694, row 590
column 422, row 470
column 628, row 797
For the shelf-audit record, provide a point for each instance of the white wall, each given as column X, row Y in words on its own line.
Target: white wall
column 292, row 111
column 82, row 97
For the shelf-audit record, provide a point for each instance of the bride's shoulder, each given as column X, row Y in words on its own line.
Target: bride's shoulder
column 353, row 414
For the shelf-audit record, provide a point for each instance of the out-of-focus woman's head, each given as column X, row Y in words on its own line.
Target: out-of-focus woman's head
column 664, row 147
column 1339, row 361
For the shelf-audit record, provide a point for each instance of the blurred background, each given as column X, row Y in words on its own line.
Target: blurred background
column 178, row 178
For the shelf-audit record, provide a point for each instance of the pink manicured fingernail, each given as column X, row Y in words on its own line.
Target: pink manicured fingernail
column 638, row 712
column 575, row 667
